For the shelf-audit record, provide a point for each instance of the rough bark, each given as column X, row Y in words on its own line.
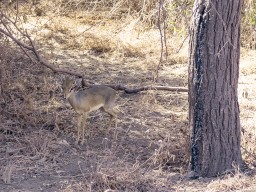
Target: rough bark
column 213, row 80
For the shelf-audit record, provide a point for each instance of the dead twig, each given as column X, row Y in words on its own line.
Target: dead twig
column 161, row 14
column 161, row 40
column 31, row 48
column 182, row 44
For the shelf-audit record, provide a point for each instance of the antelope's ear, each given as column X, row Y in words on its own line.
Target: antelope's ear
column 66, row 79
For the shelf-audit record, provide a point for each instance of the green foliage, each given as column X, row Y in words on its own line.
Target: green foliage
column 249, row 24
column 249, row 13
column 179, row 12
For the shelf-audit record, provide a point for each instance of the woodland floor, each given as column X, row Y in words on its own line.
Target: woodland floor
column 149, row 150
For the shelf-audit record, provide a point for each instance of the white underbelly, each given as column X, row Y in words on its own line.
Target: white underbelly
column 93, row 108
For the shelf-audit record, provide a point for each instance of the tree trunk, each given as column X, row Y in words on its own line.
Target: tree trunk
column 213, row 80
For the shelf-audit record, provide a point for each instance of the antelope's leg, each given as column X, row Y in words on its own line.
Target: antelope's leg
column 79, row 124
column 83, row 126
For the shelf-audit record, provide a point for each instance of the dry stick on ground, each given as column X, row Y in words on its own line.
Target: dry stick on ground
column 28, row 49
column 164, row 88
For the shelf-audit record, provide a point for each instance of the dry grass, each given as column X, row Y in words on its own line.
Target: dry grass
column 247, row 97
column 150, row 151
column 230, row 183
column 37, row 132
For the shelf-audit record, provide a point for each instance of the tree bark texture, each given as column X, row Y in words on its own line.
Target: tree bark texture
column 213, row 80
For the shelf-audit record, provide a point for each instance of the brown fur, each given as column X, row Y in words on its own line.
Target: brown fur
column 88, row 100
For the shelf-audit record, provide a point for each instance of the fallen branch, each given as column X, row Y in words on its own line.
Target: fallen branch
column 30, row 49
column 162, row 88
column 146, row 88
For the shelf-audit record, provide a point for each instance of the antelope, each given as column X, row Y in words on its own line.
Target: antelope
column 88, row 100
